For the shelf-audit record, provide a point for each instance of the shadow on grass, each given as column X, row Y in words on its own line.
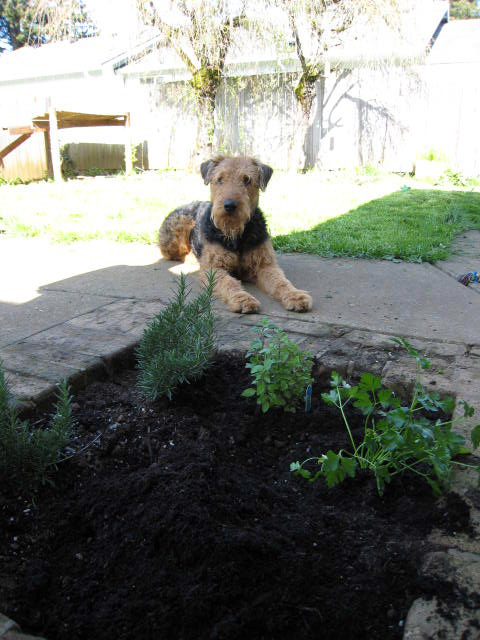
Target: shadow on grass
column 417, row 225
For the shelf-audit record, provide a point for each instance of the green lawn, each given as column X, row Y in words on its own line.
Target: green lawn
column 417, row 225
column 331, row 214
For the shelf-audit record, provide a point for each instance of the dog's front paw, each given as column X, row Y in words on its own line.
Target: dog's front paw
column 297, row 300
column 243, row 302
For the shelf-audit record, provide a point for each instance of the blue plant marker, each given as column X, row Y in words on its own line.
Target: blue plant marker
column 308, row 398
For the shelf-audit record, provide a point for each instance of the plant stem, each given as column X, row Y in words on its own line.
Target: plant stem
column 340, row 406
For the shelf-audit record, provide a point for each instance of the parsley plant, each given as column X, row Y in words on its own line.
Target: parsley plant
column 396, row 438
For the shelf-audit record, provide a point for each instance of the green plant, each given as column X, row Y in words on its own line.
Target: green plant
column 92, row 172
column 462, row 9
column 178, row 344
column 11, row 181
column 396, row 438
column 433, row 155
column 27, row 453
column 280, row 371
column 66, row 162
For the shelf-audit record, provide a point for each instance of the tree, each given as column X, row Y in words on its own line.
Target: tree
column 37, row 22
column 465, row 9
column 200, row 32
column 318, row 26
column 60, row 20
column 15, row 19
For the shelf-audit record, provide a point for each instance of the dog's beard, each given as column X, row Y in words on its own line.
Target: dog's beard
column 232, row 226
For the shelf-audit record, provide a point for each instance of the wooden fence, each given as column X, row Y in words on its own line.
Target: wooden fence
column 361, row 117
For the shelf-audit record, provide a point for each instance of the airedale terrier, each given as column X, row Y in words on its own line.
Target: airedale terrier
column 229, row 235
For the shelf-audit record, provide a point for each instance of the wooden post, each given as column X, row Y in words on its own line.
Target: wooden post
column 54, row 144
column 48, row 154
column 128, row 147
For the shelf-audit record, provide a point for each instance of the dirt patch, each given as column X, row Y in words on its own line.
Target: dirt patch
column 182, row 520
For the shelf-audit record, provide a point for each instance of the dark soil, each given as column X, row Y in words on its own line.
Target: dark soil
column 183, row 521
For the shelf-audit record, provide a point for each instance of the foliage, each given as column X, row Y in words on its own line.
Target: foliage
column 67, row 165
column 464, row 9
column 26, row 453
column 396, row 438
column 433, row 155
column 15, row 18
column 202, row 39
column 36, row 22
column 12, row 182
column 316, row 29
column 178, row 345
column 280, row 371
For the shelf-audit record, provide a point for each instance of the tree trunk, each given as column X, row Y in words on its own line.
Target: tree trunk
column 305, row 92
column 205, row 129
column 205, row 83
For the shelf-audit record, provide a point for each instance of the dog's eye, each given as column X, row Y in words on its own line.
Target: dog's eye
column 246, row 180
column 220, row 180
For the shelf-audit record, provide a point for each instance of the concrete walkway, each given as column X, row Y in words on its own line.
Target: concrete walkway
column 75, row 310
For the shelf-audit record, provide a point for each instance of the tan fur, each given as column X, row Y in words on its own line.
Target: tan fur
column 227, row 183
column 227, row 287
column 260, row 265
column 173, row 238
column 238, row 179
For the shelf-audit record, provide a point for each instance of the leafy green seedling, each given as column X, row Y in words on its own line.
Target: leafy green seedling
column 396, row 438
column 280, row 371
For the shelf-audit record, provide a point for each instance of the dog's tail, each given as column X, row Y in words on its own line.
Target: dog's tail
column 174, row 234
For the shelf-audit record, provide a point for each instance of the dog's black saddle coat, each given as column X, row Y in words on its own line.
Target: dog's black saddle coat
column 254, row 234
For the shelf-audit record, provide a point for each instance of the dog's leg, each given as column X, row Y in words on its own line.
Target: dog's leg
column 227, row 288
column 230, row 290
column 262, row 268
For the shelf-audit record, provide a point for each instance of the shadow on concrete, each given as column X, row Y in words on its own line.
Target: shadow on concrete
column 31, row 307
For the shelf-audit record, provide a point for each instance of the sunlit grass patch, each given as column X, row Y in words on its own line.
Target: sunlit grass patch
column 415, row 225
column 357, row 213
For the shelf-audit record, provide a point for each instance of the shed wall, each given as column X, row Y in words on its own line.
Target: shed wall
column 361, row 117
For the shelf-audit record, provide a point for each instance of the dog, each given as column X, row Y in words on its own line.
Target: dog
column 229, row 236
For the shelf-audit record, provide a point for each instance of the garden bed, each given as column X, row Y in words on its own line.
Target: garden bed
column 182, row 520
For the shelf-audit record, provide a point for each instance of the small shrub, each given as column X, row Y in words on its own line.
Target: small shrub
column 464, row 9
column 178, row 344
column 396, row 438
column 28, row 454
column 66, row 163
column 280, row 371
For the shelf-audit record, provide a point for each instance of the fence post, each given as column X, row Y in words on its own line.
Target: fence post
column 54, row 144
column 128, row 146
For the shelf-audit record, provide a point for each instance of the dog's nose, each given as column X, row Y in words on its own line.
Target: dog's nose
column 230, row 205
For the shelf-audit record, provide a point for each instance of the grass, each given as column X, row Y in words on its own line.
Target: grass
column 416, row 225
column 361, row 213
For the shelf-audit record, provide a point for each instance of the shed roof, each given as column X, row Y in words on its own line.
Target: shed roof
column 69, row 58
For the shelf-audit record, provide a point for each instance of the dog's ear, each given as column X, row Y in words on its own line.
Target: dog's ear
column 265, row 175
column 206, row 170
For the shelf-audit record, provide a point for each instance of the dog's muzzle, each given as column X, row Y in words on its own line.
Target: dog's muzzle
column 230, row 206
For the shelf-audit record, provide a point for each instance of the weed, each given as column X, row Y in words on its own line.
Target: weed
column 11, row 181
column 396, row 438
column 280, row 371
column 28, row 454
column 178, row 344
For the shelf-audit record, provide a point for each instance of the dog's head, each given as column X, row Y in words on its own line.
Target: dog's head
column 234, row 188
